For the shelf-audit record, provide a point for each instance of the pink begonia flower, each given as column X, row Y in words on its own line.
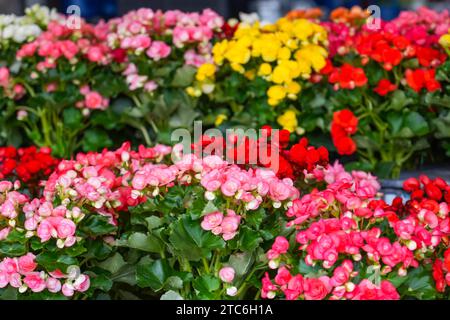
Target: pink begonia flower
column 53, row 285
column 227, row 274
column 93, row 100
column 65, row 228
column 230, row 187
column 5, row 186
column 34, row 281
column 212, row 220
column 4, row 233
column 158, row 50
column 150, row 86
column 95, row 54
column 82, row 283
column 67, row 290
column 26, row 263
column 4, row 77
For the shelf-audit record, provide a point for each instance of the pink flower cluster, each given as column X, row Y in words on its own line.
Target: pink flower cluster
column 340, row 37
column 12, row 90
column 61, row 41
column 219, row 225
column 48, row 222
column 326, row 239
column 353, row 190
column 40, row 217
column 92, row 99
column 337, row 287
column 93, row 178
column 422, row 27
column 21, row 273
column 146, row 30
column 250, row 186
column 134, row 29
column 341, row 229
column 136, row 81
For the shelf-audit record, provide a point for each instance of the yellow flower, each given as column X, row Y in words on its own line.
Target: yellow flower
column 219, row 119
column 276, row 92
column 281, row 74
column 445, row 40
column 303, row 29
column 250, row 74
column 273, row 102
column 238, row 54
column 313, row 54
column 284, row 53
column 219, row 50
column 293, row 88
column 193, row 92
column 237, row 67
column 288, row 120
column 205, row 71
column 264, row 69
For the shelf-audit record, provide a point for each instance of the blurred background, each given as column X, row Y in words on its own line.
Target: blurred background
column 268, row 10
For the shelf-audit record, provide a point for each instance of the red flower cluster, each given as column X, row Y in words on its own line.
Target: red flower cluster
column 385, row 48
column 384, row 86
column 346, row 76
column 26, row 164
column 428, row 221
column 343, row 125
column 439, row 267
column 245, row 151
column 421, row 78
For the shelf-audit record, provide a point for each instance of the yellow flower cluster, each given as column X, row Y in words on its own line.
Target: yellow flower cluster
column 288, row 120
column 282, row 53
column 444, row 41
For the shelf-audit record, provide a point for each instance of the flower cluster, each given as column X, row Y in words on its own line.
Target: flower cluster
column 271, row 150
column 423, row 26
column 21, row 273
column 219, row 225
column 346, row 77
column 351, row 244
column 158, row 34
column 18, row 30
column 11, row 90
column 344, row 125
column 92, row 100
column 288, row 51
column 28, row 165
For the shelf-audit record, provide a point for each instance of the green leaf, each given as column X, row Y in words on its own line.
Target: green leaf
column 395, row 120
column 96, row 139
column 241, row 262
column 184, row 76
column 101, row 282
column 254, row 218
column 206, row 284
column 55, row 260
column 8, row 293
column 113, row 264
column 190, row 241
column 153, row 274
column 97, row 249
column 174, row 282
column 171, row 295
column 153, row 222
column 12, row 249
column 249, row 239
column 145, row 242
column 97, row 225
column 417, row 124
column 72, row 117
column 398, row 100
